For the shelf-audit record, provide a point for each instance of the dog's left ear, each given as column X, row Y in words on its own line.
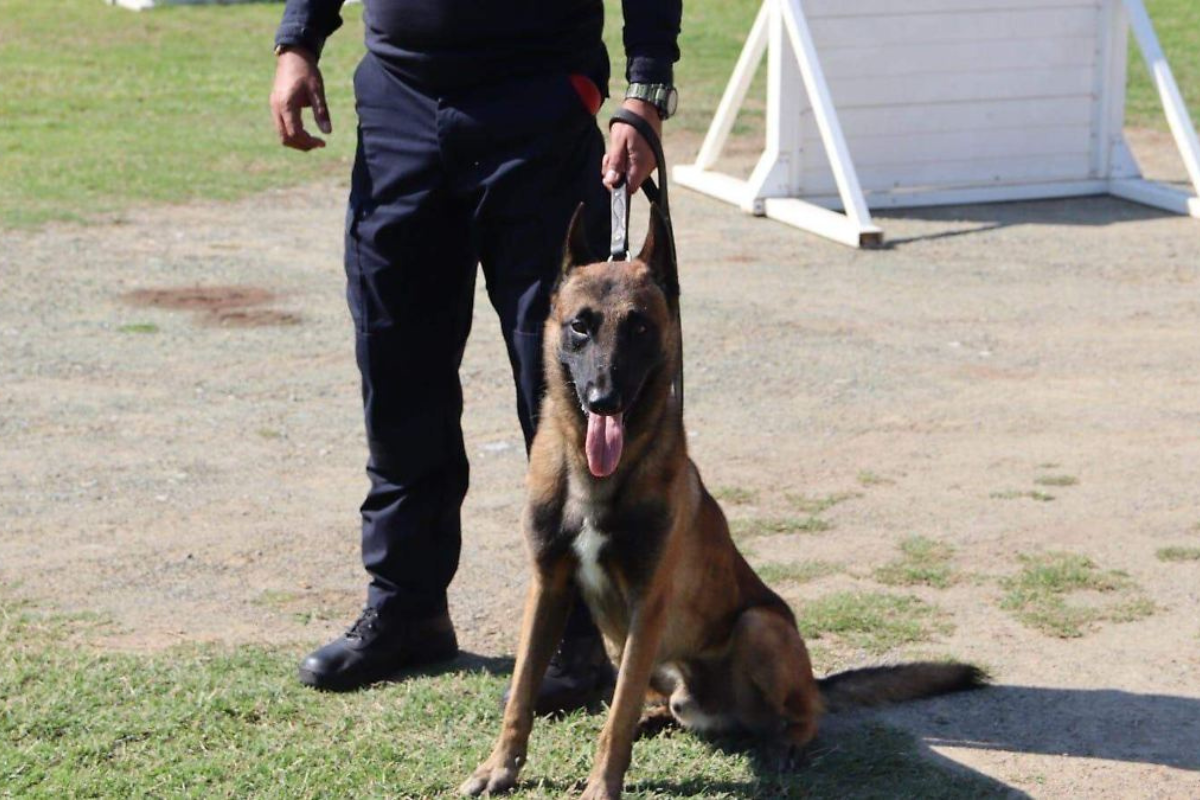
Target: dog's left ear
column 658, row 251
column 576, row 252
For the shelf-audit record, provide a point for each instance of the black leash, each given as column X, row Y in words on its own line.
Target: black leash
column 656, row 194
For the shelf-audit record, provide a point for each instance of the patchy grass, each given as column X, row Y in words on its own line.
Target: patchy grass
column 138, row 327
column 1016, row 494
column 1056, row 480
column 735, row 495
column 868, row 478
column 1178, row 554
column 771, row 526
column 872, row 621
column 1037, row 595
column 218, row 722
column 922, row 562
column 817, row 505
column 775, row 574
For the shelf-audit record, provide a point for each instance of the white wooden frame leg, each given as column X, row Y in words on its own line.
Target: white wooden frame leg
column 781, row 29
column 1178, row 119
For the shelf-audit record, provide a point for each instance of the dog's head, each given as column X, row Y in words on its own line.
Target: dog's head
column 612, row 331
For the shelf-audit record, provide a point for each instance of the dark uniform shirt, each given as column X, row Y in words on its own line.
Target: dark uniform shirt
column 446, row 44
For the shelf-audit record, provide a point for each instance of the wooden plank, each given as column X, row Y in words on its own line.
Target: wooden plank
column 714, row 184
column 980, row 194
column 823, row 222
column 821, row 9
column 977, row 116
column 961, row 85
column 921, row 29
column 863, row 60
column 1156, row 195
column 951, row 174
column 883, row 150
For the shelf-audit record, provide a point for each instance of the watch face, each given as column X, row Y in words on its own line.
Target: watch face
column 672, row 101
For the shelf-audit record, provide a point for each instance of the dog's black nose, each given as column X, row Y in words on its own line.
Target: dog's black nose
column 603, row 401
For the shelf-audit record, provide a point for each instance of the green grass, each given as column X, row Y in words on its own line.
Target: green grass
column 1038, row 595
column 138, row 327
column 735, row 495
column 1015, row 494
column 1177, row 23
column 922, row 562
column 1178, row 554
column 775, row 574
column 104, row 109
column 868, row 478
column 772, row 526
column 872, row 621
column 1056, row 480
column 217, row 722
column 817, row 505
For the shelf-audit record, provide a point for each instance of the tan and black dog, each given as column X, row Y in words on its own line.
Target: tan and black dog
column 616, row 507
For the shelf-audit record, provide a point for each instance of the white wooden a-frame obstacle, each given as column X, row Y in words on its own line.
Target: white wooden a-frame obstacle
column 940, row 102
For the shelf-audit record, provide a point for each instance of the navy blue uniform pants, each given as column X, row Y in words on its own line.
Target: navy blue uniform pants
column 442, row 184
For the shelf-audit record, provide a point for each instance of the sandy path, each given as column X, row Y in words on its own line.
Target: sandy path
column 200, row 482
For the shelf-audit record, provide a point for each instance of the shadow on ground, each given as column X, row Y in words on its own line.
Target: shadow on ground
column 965, row 220
column 1077, row 723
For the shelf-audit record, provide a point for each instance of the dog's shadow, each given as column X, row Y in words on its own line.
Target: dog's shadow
column 894, row 752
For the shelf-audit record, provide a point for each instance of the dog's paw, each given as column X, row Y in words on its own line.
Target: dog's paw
column 600, row 790
column 656, row 720
column 490, row 779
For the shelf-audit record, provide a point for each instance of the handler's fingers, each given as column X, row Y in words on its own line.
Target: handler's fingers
column 614, row 164
column 320, row 107
column 294, row 134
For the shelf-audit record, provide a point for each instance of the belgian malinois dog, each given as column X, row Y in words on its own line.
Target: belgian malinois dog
column 616, row 507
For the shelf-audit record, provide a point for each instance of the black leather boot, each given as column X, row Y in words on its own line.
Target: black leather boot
column 375, row 647
column 579, row 676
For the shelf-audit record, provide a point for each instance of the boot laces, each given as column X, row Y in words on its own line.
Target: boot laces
column 364, row 625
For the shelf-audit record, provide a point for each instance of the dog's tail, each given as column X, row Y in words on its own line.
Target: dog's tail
column 876, row 686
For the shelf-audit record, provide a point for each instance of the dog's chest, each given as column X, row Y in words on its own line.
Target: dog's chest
column 590, row 574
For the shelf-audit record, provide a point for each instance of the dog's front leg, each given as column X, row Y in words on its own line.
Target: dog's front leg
column 546, row 608
column 637, row 665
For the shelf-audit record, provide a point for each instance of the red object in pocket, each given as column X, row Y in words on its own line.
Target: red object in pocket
column 589, row 95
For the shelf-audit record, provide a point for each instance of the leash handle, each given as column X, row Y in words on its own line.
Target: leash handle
column 655, row 193
column 618, row 246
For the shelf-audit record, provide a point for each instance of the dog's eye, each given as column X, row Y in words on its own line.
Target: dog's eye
column 640, row 329
column 579, row 327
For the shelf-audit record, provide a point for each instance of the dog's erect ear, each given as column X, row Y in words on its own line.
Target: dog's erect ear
column 576, row 252
column 657, row 250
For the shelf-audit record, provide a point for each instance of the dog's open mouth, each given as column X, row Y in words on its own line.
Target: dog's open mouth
column 605, row 439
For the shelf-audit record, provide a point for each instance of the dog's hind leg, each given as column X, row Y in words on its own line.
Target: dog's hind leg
column 774, row 688
column 546, row 608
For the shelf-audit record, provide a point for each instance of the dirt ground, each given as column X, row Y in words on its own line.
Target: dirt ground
column 194, row 473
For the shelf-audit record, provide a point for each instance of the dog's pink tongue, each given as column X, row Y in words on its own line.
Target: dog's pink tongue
column 605, row 438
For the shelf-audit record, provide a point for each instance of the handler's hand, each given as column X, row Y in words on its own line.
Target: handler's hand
column 298, row 85
column 628, row 154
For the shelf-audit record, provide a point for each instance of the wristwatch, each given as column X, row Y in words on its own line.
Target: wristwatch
column 662, row 96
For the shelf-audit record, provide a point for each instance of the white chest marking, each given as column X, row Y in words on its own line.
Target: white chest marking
column 587, row 546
